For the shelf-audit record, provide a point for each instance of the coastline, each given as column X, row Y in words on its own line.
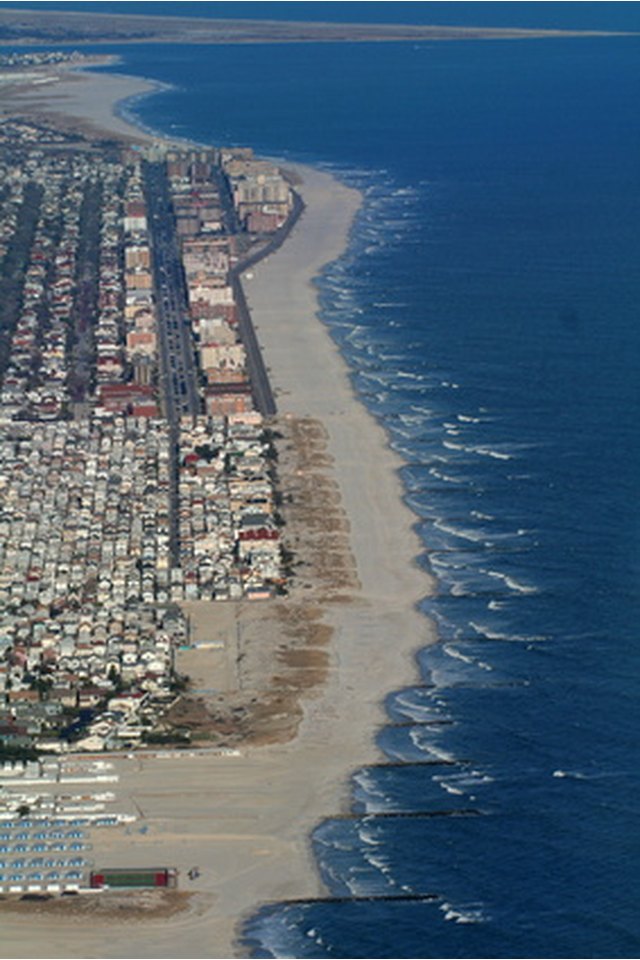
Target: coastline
column 94, row 103
column 248, row 819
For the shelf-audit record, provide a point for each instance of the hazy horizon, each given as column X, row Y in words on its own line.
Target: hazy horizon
column 562, row 15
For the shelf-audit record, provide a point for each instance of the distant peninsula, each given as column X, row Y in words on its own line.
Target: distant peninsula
column 63, row 26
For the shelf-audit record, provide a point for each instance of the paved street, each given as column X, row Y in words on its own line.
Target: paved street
column 178, row 367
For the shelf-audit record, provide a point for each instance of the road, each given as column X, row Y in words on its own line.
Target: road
column 178, row 368
column 178, row 364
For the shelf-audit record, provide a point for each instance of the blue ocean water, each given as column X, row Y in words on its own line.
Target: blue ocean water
column 488, row 306
column 559, row 14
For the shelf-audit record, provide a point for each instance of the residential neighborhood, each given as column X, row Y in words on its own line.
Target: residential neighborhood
column 138, row 471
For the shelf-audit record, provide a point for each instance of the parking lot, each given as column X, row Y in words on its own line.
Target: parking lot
column 48, row 829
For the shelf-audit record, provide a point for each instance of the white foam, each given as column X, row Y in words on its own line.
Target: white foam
column 444, row 476
column 436, row 561
column 375, row 800
column 383, row 866
column 377, row 376
column 443, row 755
column 479, row 450
column 315, row 936
column 571, row 775
column 459, row 590
column 462, row 914
column 417, row 418
column 454, row 791
column 511, row 582
column 473, row 779
column 492, row 634
column 367, row 837
column 514, row 584
column 395, row 224
column 458, row 655
column 408, row 383
column 476, row 536
column 487, row 452
column 420, row 712
column 418, row 738
column 358, row 886
column 355, row 331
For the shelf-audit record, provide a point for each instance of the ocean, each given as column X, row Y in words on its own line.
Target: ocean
column 488, row 307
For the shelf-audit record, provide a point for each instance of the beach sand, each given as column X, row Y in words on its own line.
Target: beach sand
column 81, row 100
column 246, row 819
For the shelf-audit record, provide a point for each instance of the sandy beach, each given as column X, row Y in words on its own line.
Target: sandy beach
column 246, row 818
column 81, row 99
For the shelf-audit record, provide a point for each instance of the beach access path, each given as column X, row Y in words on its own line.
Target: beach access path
column 246, row 819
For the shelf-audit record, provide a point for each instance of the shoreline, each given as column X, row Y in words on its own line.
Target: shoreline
column 312, row 379
column 249, row 820
column 66, row 27
column 90, row 101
